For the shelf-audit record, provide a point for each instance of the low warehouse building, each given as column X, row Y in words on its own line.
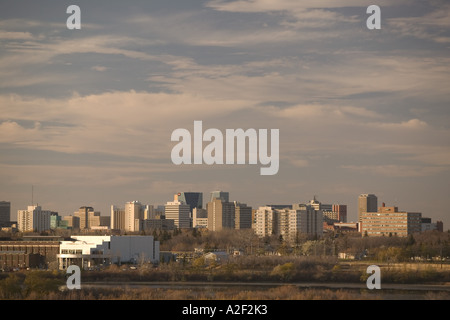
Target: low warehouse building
column 89, row 251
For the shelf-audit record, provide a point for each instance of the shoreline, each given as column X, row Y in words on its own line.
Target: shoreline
column 305, row 285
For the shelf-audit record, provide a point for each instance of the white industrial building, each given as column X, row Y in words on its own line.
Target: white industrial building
column 88, row 251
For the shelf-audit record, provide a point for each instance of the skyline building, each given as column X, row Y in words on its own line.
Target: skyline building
column 288, row 223
column 134, row 214
column 179, row 212
column 84, row 213
column 317, row 205
column 341, row 212
column 33, row 219
column 367, row 202
column 5, row 213
column 265, row 221
column 388, row 221
column 199, row 218
column 193, row 199
column 221, row 214
column 117, row 218
column 224, row 196
column 242, row 216
column 73, row 222
column 89, row 218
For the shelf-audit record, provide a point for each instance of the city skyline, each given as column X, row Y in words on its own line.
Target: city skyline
column 224, row 197
column 87, row 115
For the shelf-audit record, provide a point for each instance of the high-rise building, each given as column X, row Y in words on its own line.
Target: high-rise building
column 134, row 214
column 72, row 222
column 317, row 205
column 193, row 199
column 306, row 220
column 221, row 214
column 117, row 218
column 288, row 223
column 341, row 212
column 33, row 219
column 149, row 212
column 242, row 216
column 388, row 221
column 179, row 212
column 5, row 213
column 265, row 221
column 88, row 217
column 199, row 218
column 224, row 196
column 57, row 222
column 367, row 203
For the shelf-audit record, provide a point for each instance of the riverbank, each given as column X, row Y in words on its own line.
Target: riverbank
column 256, row 291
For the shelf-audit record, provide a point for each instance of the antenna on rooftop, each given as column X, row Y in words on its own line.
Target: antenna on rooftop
column 32, row 195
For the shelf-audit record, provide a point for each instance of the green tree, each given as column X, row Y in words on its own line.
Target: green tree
column 11, row 287
column 199, row 263
column 41, row 283
column 285, row 271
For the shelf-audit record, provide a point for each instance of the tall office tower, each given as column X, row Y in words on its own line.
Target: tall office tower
column 242, row 216
column 149, row 212
column 221, row 214
column 88, row 217
column 193, row 199
column 179, row 212
column 224, row 196
column 33, row 219
column 117, row 218
column 367, row 203
column 134, row 214
column 5, row 213
column 73, row 222
column 341, row 212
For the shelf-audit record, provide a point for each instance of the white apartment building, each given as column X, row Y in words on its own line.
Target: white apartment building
column 33, row 219
column 265, row 221
column 199, row 218
column 88, row 251
column 288, row 222
column 134, row 213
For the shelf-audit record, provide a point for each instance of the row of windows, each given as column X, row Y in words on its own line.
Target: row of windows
column 71, row 251
column 385, row 226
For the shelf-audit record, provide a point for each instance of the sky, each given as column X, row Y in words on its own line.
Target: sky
column 86, row 116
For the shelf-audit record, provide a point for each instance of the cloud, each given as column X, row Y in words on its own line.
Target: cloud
column 12, row 132
column 13, row 35
column 413, row 124
column 289, row 5
column 432, row 26
column 397, row 171
column 120, row 123
column 99, row 68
